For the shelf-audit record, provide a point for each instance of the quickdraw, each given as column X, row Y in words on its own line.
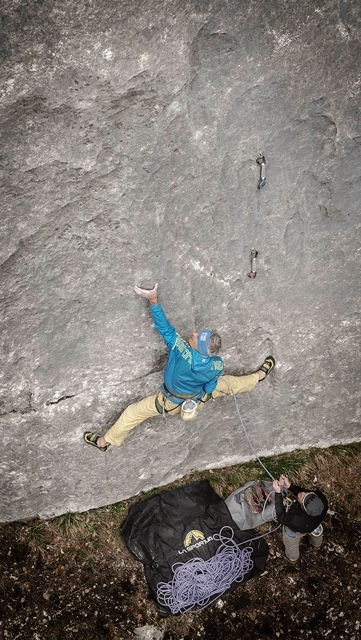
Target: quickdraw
column 261, row 161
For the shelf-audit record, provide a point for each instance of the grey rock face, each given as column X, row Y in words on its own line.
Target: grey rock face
column 129, row 137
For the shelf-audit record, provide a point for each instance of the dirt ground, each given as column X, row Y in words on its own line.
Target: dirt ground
column 73, row 578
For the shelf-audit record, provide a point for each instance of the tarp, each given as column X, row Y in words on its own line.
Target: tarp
column 192, row 522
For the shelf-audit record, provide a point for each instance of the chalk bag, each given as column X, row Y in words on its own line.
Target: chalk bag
column 189, row 410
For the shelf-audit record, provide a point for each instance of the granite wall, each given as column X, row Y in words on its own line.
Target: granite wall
column 129, row 136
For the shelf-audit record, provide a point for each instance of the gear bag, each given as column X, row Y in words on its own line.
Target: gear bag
column 252, row 505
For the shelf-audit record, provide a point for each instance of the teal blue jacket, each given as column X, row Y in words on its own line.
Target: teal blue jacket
column 187, row 372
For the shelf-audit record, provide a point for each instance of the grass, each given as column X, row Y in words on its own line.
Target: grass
column 79, row 533
column 118, row 508
column 68, row 522
column 36, row 534
column 288, row 464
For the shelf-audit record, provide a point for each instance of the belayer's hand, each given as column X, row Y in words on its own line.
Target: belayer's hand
column 276, row 486
column 149, row 294
column 285, row 481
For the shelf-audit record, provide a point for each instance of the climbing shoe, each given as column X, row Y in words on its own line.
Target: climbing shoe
column 92, row 438
column 267, row 366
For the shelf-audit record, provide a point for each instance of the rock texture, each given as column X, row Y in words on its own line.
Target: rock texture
column 129, row 136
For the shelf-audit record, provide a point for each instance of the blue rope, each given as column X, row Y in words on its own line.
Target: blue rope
column 200, row 582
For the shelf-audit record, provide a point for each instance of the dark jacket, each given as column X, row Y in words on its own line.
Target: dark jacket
column 296, row 517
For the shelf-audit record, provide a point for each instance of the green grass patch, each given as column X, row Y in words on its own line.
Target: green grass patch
column 117, row 509
column 69, row 521
column 36, row 534
column 352, row 450
column 288, row 464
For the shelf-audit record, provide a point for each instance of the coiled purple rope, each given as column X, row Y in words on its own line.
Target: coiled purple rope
column 197, row 581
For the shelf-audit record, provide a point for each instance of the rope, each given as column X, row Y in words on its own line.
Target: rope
column 200, row 582
column 284, row 492
column 246, row 434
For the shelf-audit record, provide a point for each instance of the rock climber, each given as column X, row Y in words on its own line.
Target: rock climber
column 303, row 517
column 193, row 372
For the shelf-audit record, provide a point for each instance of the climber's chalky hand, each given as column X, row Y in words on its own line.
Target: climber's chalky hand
column 148, row 294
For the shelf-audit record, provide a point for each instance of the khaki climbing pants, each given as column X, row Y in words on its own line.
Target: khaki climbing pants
column 147, row 408
column 292, row 539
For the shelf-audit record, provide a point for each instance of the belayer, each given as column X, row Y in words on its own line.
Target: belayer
column 303, row 517
column 192, row 373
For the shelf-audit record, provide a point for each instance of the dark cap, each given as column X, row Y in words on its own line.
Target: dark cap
column 312, row 504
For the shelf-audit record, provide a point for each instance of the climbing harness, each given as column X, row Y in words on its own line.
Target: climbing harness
column 188, row 402
column 160, row 406
column 189, row 407
column 261, row 161
column 173, row 397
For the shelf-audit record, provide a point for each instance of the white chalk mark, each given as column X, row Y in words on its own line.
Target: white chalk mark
column 342, row 29
column 143, row 60
column 282, row 39
column 197, row 266
column 107, row 54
